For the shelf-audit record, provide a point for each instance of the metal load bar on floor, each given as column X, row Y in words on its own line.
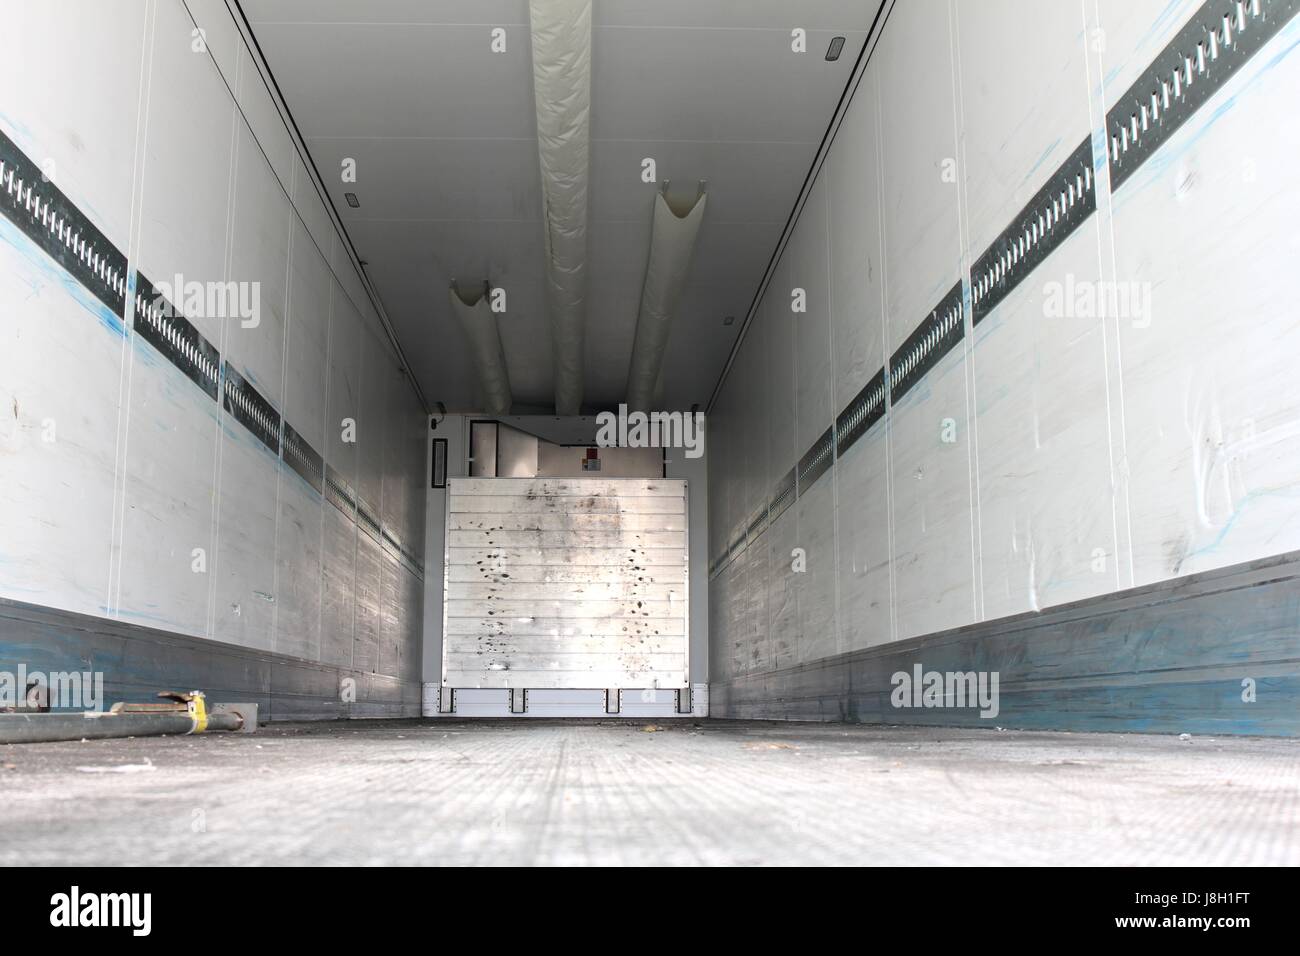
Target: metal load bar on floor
column 180, row 714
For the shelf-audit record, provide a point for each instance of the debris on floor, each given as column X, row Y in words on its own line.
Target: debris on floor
column 122, row 767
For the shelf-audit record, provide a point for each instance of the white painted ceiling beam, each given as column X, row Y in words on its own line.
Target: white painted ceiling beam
column 561, row 34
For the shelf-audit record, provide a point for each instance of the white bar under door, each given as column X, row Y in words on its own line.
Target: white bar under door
column 565, row 583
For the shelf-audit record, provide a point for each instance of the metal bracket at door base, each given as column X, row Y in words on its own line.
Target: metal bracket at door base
column 518, row 700
column 446, row 700
column 613, row 699
column 684, row 700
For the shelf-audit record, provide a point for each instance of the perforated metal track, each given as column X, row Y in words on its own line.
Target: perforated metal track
column 1220, row 37
column 250, row 409
column 367, row 521
column 932, row 340
column 159, row 323
column 53, row 222
column 388, row 537
column 866, row 408
column 782, row 496
column 303, row 459
column 339, row 493
column 816, row 460
column 1064, row 202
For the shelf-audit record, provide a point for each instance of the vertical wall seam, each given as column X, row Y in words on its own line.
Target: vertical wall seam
column 284, row 395
column 1105, row 333
column 120, row 464
column 1119, row 465
column 835, row 479
column 325, row 442
column 884, row 362
column 236, row 117
column 968, row 365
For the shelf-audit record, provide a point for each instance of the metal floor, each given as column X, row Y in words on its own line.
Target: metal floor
column 692, row 792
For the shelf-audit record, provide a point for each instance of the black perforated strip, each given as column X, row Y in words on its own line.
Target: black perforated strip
column 302, row 458
column 339, row 493
column 866, row 408
column 159, row 323
column 815, row 461
column 367, row 521
column 53, row 222
column 1213, row 45
column 1065, row 200
column 250, row 409
column 932, row 340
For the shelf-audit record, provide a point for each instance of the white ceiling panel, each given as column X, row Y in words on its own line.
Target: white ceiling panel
column 388, row 11
column 465, row 179
column 444, row 134
column 659, row 83
column 409, row 79
column 782, row 15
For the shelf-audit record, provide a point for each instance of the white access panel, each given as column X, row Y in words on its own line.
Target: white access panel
column 565, row 583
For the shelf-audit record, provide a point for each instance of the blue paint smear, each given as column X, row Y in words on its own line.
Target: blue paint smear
column 1042, row 159
column 18, row 131
column 45, row 272
column 1237, row 513
column 176, row 388
column 241, row 435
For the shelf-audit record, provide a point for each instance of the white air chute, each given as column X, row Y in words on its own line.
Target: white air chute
column 479, row 323
column 561, row 32
column 672, row 245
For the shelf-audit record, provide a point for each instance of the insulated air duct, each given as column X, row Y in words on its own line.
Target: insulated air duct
column 480, row 326
column 561, row 31
column 672, row 244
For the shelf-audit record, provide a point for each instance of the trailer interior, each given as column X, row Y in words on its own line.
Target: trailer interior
column 649, row 433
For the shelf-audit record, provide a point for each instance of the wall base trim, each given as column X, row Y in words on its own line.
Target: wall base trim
column 138, row 661
column 1178, row 656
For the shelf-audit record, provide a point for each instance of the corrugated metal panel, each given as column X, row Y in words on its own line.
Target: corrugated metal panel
column 566, row 583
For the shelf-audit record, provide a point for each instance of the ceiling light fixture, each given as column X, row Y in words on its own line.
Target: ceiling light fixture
column 352, row 200
column 833, row 51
